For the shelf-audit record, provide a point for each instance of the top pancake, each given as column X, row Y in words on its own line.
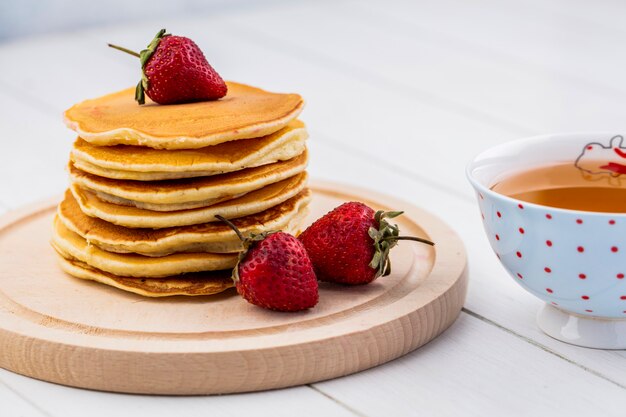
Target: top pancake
column 245, row 112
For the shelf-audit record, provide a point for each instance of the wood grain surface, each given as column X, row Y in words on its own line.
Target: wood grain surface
column 79, row 333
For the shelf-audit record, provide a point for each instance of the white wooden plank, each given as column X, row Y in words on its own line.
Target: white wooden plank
column 540, row 39
column 35, row 149
column 476, row 370
column 14, row 405
column 72, row 70
column 22, row 19
column 403, row 56
column 604, row 16
column 63, row 401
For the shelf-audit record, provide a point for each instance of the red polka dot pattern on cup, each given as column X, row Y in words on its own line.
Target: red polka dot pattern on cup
column 565, row 256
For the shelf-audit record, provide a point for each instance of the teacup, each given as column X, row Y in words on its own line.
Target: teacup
column 573, row 260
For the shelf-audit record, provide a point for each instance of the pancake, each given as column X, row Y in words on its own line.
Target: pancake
column 250, row 203
column 71, row 246
column 245, row 112
column 209, row 237
column 147, row 164
column 160, row 207
column 199, row 283
column 169, row 195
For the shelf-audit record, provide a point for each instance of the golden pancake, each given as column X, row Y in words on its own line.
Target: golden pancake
column 199, row 283
column 213, row 237
column 246, row 112
column 250, row 203
column 169, row 195
column 160, row 207
column 147, row 164
column 71, row 246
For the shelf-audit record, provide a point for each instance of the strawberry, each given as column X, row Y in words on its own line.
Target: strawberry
column 351, row 244
column 174, row 70
column 275, row 272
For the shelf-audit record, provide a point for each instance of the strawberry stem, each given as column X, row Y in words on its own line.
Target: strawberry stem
column 385, row 237
column 416, row 239
column 121, row 48
column 247, row 242
column 232, row 226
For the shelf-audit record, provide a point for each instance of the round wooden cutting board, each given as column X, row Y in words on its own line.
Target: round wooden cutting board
column 80, row 333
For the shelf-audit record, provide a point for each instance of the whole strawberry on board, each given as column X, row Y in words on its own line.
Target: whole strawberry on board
column 351, row 244
column 275, row 272
column 174, row 70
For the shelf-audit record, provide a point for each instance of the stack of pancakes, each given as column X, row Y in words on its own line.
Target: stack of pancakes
column 148, row 181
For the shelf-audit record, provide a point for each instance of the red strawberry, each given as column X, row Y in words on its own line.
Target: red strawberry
column 351, row 244
column 174, row 70
column 275, row 272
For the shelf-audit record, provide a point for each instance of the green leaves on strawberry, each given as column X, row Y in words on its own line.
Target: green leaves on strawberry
column 384, row 239
column 144, row 57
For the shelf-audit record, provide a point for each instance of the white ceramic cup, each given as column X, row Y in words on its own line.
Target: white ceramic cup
column 573, row 260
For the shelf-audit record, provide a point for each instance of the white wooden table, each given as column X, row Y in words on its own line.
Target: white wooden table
column 400, row 95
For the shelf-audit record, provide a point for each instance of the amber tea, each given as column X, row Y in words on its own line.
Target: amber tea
column 568, row 187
